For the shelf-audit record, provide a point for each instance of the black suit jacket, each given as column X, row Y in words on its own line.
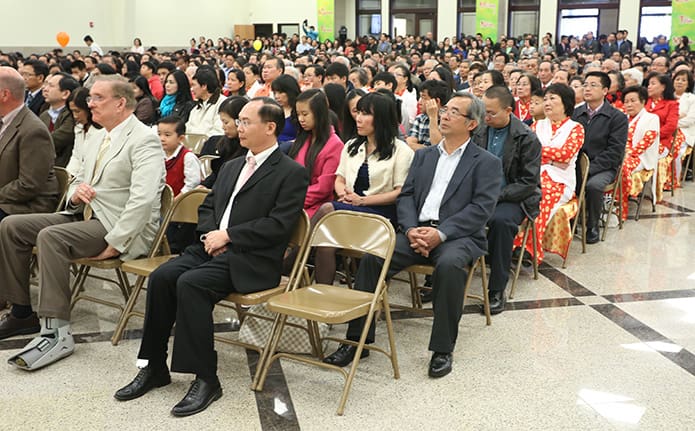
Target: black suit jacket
column 605, row 137
column 468, row 202
column 38, row 104
column 521, row 162
column 63, row 135
column 263, row 217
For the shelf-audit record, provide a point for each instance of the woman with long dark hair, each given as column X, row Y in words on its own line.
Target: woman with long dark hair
column 317, row 148
column 662, row 102
column 84, row 127
column 146, row 108
column 177, row 100
column 372, row 170
column 286, row 89
column 236, row 83
column 350, row 115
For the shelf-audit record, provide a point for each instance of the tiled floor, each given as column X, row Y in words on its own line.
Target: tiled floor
column 606, row 344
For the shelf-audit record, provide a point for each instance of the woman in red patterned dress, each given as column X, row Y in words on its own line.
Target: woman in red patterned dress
column 561, row 138
column 642, row 134
column 526, row 85
column 662, row 102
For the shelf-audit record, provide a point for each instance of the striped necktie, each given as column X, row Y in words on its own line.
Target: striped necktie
column 103, row 148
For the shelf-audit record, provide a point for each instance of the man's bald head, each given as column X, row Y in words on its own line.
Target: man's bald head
column 12, row 88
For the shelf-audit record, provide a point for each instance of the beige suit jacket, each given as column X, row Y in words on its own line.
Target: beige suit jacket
column 27, row 181
column 128, row 185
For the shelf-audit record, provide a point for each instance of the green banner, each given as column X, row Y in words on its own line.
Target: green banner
column 683, row 16
column 326, row 19
column 486, row 17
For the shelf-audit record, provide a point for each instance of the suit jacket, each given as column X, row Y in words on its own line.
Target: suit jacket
column 63, row 135
column 469, row 199
column 128, row 184
column 263, row 217
column 38, row 104
column 605, row 137
column 521, row 162
column 27, row 181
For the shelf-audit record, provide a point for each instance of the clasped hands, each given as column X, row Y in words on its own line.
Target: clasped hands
column 351, row 198
column 215, row 242
column 424, row 239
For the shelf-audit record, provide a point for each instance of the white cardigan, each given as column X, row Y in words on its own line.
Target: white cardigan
column 204, row 119
column 686, row 117
column 647, row 121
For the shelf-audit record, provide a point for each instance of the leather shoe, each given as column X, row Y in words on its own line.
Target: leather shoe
column 200, row 395
column 11, row 326
column 344, row 355
column 498, row 301
column 425, row 295
column 148, row 378
column 440, row 364
column 592, row 235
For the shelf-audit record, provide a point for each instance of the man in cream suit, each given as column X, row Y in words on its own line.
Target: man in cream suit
column 112, row 211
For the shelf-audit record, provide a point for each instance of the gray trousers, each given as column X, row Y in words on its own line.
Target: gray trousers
column 59, row 239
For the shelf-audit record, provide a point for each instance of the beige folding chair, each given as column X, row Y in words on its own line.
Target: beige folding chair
column 194, row 142
column 528, row 225
column 206, row 162
column 183, row 210
column 415, row 289
column 688, row 163
column 85, row 265
column 363, row 232
column 584, row 165
column 616, row 190
column 63, row 177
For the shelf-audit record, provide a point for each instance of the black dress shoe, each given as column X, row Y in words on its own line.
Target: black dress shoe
column 425, row 295
column 498, row 301
column 148, row 378
column 440, row 364
column 11, row 326
column 592, row 235
column 344, row 355
column 200, row 395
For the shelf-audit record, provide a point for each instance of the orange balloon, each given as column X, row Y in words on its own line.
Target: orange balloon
column 63, row 39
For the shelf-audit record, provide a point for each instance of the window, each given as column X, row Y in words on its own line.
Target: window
column 466, row 17
column 655, row 21
column 523, row 17
column 578, row 22
column 368, row 17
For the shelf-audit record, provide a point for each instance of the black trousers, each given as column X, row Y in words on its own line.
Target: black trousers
column 594, row 196
column 184, row 291
column 450, row 260
column 503, row 227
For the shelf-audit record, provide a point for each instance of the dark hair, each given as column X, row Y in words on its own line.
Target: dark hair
column 318, row 70
column 253, row 67
column 385, row 122
column 78, row 64
column 496, row 76
column 79, row 98
column 183, row 87
column 132, row 69
column 349, row 127
column 362, row 76
column 688, row 75
column 338, row 69
column 566, row 95
column 141, row 83
column 603, row 76
column 501, row 93
column 641, row 92
column 388, row 93
column 180, row 125
column 271, row 112
column 233, row 105
column 168, row 65
column 241, row 77
column 206, row 76
column 665, row 80
column 335, row 93
column 288, row 85
column 318, row 105
column 533, row 81
column 447, row 77
column 40, row 68
column 436, row 90
column 105, row 69
column 88, row 38
column 406, row 73
column 149, row 65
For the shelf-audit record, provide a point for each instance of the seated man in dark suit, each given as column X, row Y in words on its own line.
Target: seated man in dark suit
column 245, row 225
column 605, row 137
column 34, row 73
column 58, row 117
column 447, row 198
column 505, row 136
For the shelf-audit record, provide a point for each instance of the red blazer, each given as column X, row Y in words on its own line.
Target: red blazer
column 667, row 110
column 322, row 179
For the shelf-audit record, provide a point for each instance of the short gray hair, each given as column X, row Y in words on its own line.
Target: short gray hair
column 476, row 109
column 13, row 81
column 120, row 87
column 635, row 74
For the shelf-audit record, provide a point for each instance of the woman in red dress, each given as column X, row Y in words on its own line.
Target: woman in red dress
column 662, row 102
column 526, row 85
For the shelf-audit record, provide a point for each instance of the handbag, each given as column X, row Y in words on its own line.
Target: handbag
column 256, row 330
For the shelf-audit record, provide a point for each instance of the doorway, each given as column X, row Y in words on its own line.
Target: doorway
column 415, row 23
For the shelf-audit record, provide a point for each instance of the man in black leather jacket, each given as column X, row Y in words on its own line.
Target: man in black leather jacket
column 520, row 150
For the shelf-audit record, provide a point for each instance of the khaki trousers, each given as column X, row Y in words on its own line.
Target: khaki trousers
column 59, row 239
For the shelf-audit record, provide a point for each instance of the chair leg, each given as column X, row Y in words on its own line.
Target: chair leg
column 78, row 285
column 269, row 351
column 610, row 209
column 486, row 298
column 127, row 311
column 392, row 337
column 414, row 290
column 519, row 262
column 534, row 237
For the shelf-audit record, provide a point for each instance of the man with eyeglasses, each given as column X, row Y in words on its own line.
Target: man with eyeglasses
column 34, row 73
column 112, row 211
column 447, row 198
column 511, row 141
column 244, row 224
column 605, row 135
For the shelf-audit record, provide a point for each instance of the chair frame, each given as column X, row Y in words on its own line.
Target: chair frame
column 527, row 225
column 615, row 189
column 378, row 301
column 584, row 165
column 116, row 264
column 195, row 142
column 688, row 162
column 160, row 243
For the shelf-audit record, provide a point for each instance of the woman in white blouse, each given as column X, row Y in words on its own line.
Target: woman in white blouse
column 84, row 127
column 372, row 170
column 683, row 86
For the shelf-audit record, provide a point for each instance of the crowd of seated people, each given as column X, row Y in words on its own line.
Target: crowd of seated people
column 389, row 127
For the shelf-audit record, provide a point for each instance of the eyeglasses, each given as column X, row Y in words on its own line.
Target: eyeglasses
column 452, row 112
column 246, row 123
column 95, row 99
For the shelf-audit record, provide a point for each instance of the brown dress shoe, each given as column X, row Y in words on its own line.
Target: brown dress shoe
column 11, row 326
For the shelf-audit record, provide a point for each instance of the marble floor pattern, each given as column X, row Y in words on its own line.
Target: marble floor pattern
column 605, row 344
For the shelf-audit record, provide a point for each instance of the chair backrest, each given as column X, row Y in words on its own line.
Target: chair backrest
column 63, row 177
column 299, row 239
column 206, row 162
column 195, row 141
column 366, row 233
column 185, row 209
column 584, row 173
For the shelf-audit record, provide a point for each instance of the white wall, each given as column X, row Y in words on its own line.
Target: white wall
column 547, row 21
column 629, row 19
